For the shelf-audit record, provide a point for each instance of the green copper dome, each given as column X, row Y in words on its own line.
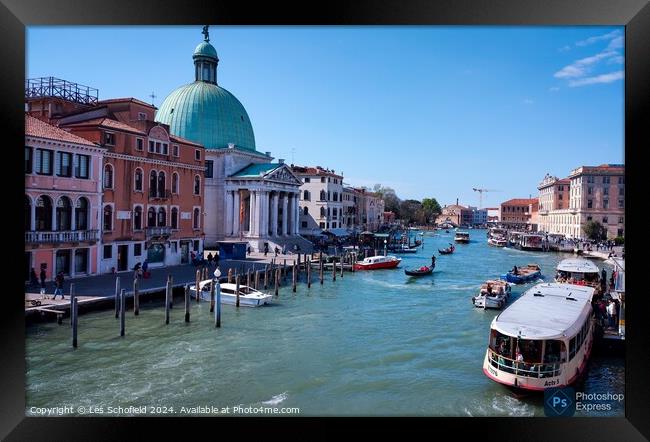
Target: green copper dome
column 208, row 114
column 205, row 49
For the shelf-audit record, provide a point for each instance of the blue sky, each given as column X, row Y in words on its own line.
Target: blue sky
column 431, row 111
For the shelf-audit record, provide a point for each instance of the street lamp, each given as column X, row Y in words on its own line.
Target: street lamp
column 385, row 242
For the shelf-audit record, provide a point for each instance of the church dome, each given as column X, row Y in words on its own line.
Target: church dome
column 203, row 111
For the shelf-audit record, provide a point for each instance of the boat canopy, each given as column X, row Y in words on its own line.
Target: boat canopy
column 546, row 311
column 577, row 265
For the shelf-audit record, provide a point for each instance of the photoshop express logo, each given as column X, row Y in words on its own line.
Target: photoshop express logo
column 559, row 402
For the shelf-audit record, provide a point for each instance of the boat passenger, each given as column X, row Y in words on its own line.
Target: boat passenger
column 515, row 271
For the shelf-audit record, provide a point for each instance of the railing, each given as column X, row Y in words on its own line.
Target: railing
column 61, row 237
column 162, row 195
column 56, row 87
column 159, row 231
column 531, row 370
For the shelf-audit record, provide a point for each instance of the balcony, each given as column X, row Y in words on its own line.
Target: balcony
column 158, row 231
column 66, row 236
column 160, row 195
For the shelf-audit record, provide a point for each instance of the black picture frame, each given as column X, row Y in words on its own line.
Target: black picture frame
column 15, row 15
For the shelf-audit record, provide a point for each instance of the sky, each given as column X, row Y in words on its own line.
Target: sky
column 431, row 111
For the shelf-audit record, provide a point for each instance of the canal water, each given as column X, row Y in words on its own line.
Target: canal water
column 371, row 343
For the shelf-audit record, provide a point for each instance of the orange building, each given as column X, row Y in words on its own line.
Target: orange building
column 520, row 213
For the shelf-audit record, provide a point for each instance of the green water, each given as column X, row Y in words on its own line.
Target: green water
column 371, row 343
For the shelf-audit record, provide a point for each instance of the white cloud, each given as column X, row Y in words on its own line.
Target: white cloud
column 591, row 40
column 619, row 59
column 528, row 101
column 599, row 79
column 581, row 67
column 565, row 48
column 553, row 89
column 616, row 43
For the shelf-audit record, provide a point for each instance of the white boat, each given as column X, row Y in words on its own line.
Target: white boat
column 497, row 237
column 403, row 248
column 493, row 294
column 543, row 339
column 461, row 236
column 578, row 271
column 248, row 296
column 533, row 242
column 497, row 241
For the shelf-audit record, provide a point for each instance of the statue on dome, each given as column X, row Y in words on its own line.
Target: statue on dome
column 205, row 33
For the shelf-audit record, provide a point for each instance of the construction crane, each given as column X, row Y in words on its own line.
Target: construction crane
column 480, row 193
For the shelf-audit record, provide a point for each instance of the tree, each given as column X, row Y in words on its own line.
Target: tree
column 595, row 230
column 411, row 211
column 390, row 198
column 431, row 209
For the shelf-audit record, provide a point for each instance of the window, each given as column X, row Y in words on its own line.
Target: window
column 572, row 348
column 304, row 224
column 590, row 204
column 64, row 164
column 152, row 146
column 153, row 180
column 43, row 214
column 197, row 185
column 621, row 180
column 322, row 212
column 323, row 195
column 322, row 179
column 28, row 159
column 197, row 155
column 138, row 180
column 137, row 218
column 142, row 116
column 606, row 180
column 161, row 184
column 108, row 252
column 606, row 191
column 139, row 144
column 306, row 196
column 81, row 214
column 605, row 220
column 44, row 161
column 620, row 220
column 81, row 166
column 151, row 217
column 175, row 151
column 174, row 247
column 109, row 138
column 165, row 149
column 108, row 218
column 195, row 223
column 208, row 168
column 108, row 176
column 63, row 214
column 174, row 218
column 605, row 204
column 321, row 225
column 81, row 260
column 560, row 188
column 162, row 217
column 137, row 249
column 621, row 191
column 305, row 211
column 621, row 204
column 175, row 183
column 560, row 196
column 307, row 180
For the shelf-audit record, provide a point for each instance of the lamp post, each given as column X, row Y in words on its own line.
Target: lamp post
column 385, row 243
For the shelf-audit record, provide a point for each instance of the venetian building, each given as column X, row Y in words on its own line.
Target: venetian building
column 247, row 196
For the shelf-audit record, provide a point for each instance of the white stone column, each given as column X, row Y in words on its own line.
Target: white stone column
column 73, row 217
column 296, row 214
column 258, row 213
column 229, row 212
column 264, row 232
column 251, row 218
column 32, row 216
column 54, row 215
column 285, row 212
column 235, row 218
column 274, row 214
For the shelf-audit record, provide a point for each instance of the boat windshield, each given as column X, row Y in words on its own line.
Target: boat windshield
column 526, row 357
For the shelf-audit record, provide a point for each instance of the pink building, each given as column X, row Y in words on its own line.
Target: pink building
column 63, row 197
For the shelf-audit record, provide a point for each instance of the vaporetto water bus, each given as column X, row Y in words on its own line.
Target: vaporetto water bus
column 543, row 339
column 578, row 271
column 462, row 237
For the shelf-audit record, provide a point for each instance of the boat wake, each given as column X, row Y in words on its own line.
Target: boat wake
column 277, row 399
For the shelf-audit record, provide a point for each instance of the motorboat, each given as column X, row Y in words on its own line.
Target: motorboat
column 403, row 248
column 378, row 262
column 497, row 241
column 248, row 296
column 448, row 251
column 523, row 274
column 543, row 339
column 462, row 237
column 493, row 294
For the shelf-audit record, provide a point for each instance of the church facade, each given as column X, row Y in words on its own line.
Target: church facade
column 248, row 197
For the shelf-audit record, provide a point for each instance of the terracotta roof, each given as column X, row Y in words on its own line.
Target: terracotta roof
column 126, row 99
column 183, row 140
column 302, row 170
column 37, row 128
column 520, row 202
column 109, row 124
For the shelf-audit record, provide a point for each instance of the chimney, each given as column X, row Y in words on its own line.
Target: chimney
column 281, row 160
column 268, row 154
column 456, row 201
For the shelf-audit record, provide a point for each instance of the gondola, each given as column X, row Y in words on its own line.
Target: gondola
column 447, row 251
column 422, row 271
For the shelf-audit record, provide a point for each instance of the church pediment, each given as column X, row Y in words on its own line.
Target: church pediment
column 283, row 174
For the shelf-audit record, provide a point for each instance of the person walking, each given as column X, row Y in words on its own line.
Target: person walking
column 266, row 248
column 43, row 275
column 145, row 268
column 58, row 285
column 276, row 251
column 33, row 278
column 210, row 258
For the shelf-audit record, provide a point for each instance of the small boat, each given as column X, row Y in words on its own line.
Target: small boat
column 497, row 242
column 421, row 271
column 378, row 262
column 493, row 294
column 248, row 296
column 461, row 237
column 449, row 250
column 524, row 274
column 403, row 248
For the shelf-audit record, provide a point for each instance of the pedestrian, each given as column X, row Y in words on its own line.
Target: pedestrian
column 266, row 248
column 58, row 285
column 216, row 259
column 137, row 270
column 249, row 250
column 43, row 276
column 145, row 268
column 33, row 277
column 284, row 249
column 210, row 258
column 610, row 313
column 276, row 251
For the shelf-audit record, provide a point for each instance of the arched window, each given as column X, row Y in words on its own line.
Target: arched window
column 137, row 218
column 323, row 195
column 108, row 218
column 63, row 214
column 138, row 180
column 162, row 217
column 174, row 218
column 153, row 177
column 322, row 212
column 151, row 217
column 306, row 196
column 161, row 184
column 28, row 214
column 81, row 214
column 197, row 185
column 196, row 218
column 305, row 211
column 108, row 176
column 43, row 213
column 175, row 183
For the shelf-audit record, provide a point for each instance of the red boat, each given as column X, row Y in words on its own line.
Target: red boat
column 378, row 262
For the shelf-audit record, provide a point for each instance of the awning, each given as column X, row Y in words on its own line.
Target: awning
column 337, row 232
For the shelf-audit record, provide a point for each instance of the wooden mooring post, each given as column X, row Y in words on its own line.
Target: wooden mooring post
column 168, row 295
column 277, row 280
column 342, row 265
column 309, row 274
column 72, row 298
column 122, row 311
column 212, row 284
column 170, row 278
column 334, row 269
column 321, row 268
column 284, row 270
column 266, row 277
column 257, row 279
column 136, row 298
column 237, row 290
column 294, row 277
column 197, row 292
column 117, row 297
column 74, row 314
column 187, row 303
column 248, row 277
column 217, row 313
